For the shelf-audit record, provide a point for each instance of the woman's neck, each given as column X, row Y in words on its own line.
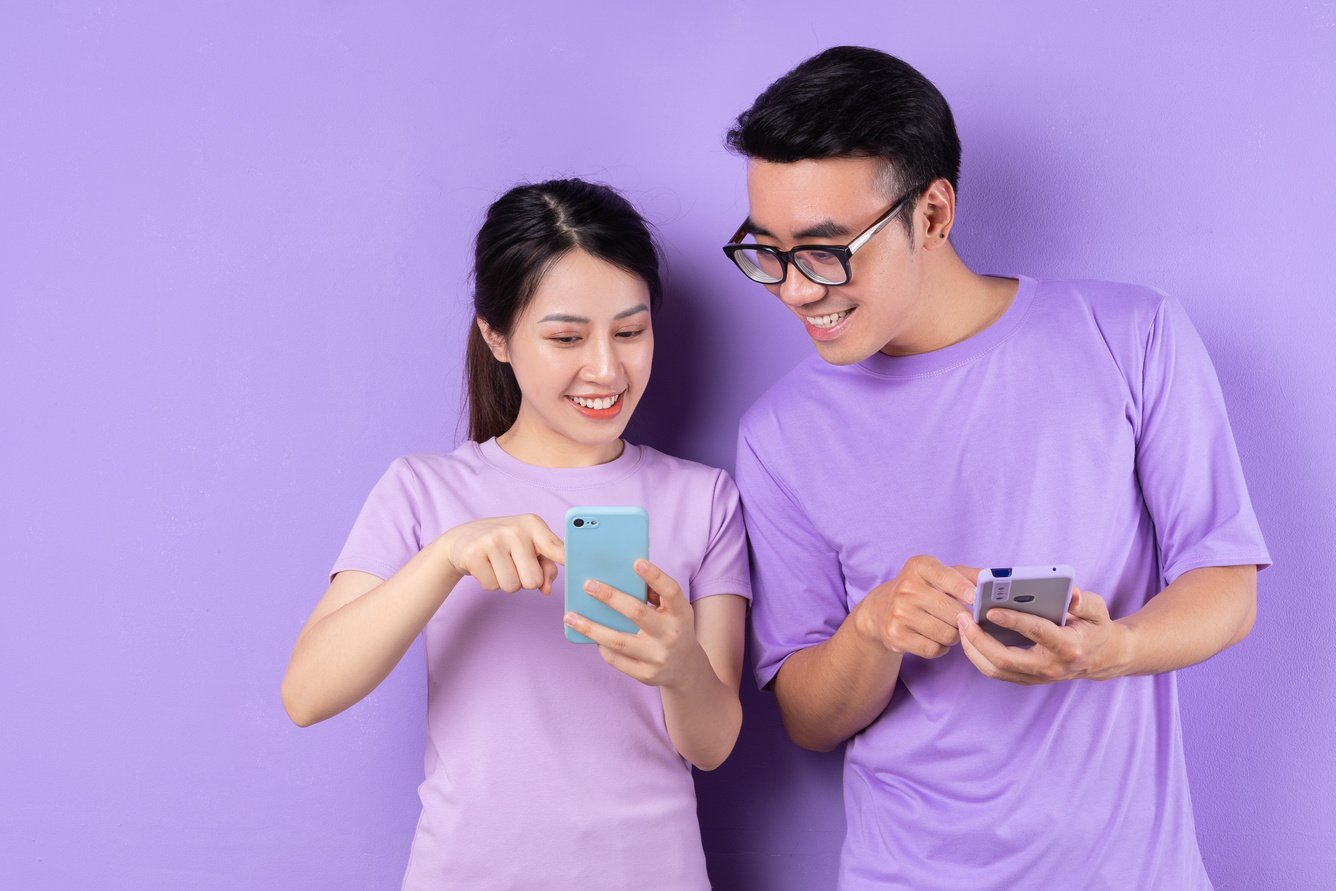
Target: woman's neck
column 544, row 447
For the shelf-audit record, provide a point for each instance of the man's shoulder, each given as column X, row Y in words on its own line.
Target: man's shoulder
column 809, row 381
column 1100, row 299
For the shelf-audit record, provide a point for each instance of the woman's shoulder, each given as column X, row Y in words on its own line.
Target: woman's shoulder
column 682, row 470
column 431, row 467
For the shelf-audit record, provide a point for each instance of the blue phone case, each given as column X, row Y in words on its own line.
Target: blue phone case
column 603, row 543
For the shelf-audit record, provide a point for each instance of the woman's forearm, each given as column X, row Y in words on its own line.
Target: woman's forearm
column 344, row 655
column 703, row 715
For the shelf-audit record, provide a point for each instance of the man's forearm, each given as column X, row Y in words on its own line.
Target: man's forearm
column 830, row 691
column 1203, row 612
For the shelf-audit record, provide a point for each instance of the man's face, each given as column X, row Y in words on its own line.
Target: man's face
column 829, row 202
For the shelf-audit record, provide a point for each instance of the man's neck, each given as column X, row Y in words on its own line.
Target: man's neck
column 956, row 304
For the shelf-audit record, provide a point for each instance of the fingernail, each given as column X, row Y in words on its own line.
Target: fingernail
column 569, row 619
column 642, row 566
column 591, row 586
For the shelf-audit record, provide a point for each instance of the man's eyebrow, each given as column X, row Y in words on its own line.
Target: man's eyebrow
column 823, row 229
column 748, row 226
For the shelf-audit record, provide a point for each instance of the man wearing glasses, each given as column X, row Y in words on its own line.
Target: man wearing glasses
column 955, row 418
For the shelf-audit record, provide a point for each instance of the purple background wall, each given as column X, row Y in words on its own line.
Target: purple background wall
column 233, row 252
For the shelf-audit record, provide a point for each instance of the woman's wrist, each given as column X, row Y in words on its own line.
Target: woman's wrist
column 437, row 555
column 697, row 676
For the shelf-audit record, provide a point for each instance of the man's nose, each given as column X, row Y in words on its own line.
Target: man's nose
column 798, row 290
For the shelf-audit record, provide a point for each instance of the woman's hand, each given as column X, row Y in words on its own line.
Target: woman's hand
column 505, row 553
column 664, row 652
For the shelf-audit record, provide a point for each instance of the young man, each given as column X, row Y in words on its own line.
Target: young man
column 955, row 418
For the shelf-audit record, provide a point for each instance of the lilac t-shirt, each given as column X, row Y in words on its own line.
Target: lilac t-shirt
column 1085, row 427
column 546, row 767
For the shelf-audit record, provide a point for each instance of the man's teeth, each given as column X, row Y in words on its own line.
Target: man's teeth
column 828, row 321
column 596, row 404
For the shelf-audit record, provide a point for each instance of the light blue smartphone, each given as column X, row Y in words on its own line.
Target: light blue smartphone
column 1044, row 591
column 603, row 543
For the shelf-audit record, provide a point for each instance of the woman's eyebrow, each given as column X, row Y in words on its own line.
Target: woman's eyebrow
column 569, row 319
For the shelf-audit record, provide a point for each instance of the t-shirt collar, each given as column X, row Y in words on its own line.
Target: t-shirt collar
column 561, row 477
column 957, row 354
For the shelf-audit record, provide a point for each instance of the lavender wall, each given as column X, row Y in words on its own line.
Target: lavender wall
column 233, row 243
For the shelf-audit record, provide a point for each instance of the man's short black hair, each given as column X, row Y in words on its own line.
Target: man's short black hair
column 854, row 102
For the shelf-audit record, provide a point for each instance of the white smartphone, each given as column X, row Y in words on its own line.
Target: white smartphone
column 1044, row 591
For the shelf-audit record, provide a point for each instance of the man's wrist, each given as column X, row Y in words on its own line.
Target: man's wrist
column 867, row 639
column 864, row 629
column 1122, row 648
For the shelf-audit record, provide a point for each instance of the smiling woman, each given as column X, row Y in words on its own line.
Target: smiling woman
column 542, row 759
column 583, row 347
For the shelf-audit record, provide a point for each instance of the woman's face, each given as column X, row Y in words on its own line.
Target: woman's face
column 581, row 352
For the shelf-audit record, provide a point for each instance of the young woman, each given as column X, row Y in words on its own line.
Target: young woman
column 546, row 766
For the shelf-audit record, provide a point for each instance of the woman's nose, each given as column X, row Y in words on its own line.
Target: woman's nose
column 601, row 363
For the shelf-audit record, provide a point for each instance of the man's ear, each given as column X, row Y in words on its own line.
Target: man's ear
column 495, row 342
column 938, row 209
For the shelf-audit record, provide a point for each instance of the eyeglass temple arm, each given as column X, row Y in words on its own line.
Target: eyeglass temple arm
column 879, row 225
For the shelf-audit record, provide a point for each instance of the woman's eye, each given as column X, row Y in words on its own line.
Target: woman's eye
column 565, row 339
column 627, row 335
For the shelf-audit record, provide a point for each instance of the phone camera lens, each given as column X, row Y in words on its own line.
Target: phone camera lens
column 577, row 523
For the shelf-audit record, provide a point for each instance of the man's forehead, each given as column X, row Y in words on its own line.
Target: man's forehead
column 816, row 198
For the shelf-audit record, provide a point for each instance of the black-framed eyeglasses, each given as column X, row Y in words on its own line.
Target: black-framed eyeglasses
column 825, row 264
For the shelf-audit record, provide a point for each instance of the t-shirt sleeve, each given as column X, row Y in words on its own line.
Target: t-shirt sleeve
column 797, row 584
column 723, row 570
column 1187, row 463
column 388, row 531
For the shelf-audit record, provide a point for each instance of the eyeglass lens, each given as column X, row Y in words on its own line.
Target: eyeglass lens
column 766, row 267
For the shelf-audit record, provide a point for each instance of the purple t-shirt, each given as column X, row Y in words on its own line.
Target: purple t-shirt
column 546, row 767
column 1085, row 427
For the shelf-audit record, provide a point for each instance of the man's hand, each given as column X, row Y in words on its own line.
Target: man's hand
column 916, row 612
column 1090, row 645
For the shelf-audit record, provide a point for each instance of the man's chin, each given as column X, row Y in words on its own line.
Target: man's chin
column 840, row 352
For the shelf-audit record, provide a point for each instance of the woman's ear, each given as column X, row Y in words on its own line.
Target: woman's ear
column 495, row 342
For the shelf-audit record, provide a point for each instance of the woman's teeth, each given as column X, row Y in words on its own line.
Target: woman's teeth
column 829, row 321
column 596, row 404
